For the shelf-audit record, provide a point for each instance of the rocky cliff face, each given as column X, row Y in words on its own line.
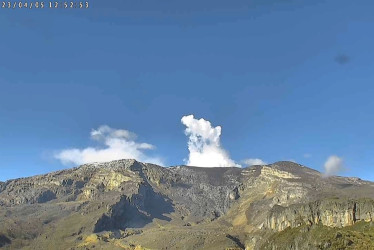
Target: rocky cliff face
column 329, row 212
column 102, row 204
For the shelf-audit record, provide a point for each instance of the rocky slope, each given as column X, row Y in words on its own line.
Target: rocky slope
column 127, row 204
column 328, row 212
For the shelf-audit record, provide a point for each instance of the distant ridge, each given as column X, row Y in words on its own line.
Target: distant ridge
column 134, row 205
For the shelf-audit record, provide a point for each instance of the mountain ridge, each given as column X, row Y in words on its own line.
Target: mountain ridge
column 126, row 203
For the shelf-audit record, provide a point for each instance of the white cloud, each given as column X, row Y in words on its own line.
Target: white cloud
column 253, row 161
column 204, row 144
column 333, row 165
column 307, row 155
column 118, row 144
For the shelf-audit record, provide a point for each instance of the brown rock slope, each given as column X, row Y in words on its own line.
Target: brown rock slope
column 127, row 204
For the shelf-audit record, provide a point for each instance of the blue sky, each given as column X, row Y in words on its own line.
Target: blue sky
column 282, row 78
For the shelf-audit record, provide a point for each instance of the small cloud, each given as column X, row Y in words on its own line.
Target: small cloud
column 204, row 145
column 333, row 165
column 117, row 144
column 105, row 131
column 342, row 59
column 253, row 161
column 307, row 155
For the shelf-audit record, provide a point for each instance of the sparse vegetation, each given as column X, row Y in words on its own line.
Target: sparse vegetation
column 358, row 236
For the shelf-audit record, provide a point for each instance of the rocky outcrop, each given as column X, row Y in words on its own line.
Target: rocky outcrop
column 41, row 188
column 107, row 180
column 330, row 212
column 85, row 182
column 269, row 171
column 205, row 193
column 2, row 186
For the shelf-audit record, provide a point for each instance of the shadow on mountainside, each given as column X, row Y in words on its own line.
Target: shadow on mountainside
column 4, row 240
column 136, row 211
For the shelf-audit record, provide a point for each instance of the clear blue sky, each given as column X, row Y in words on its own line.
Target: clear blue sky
column 282, row 78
